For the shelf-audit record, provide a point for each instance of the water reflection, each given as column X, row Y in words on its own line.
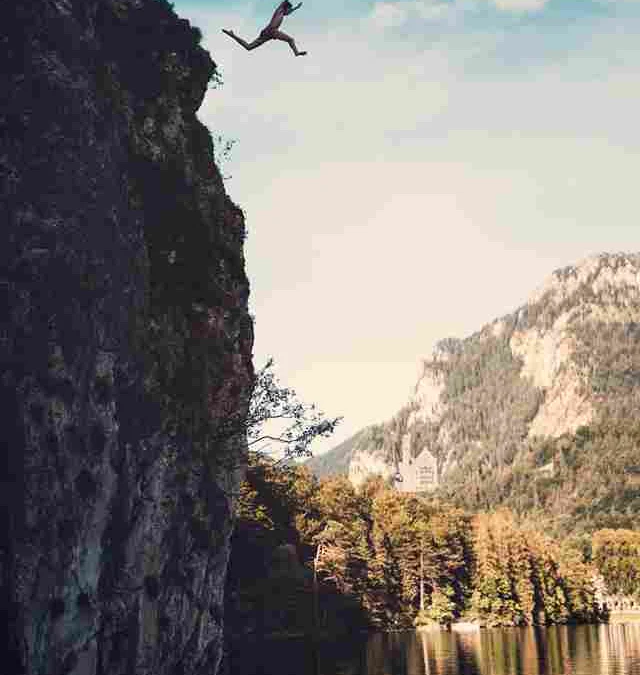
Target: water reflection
column 557, row 650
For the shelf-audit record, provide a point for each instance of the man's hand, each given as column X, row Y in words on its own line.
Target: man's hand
column 293, row 9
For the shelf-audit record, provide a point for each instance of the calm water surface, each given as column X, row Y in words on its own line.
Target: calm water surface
column 557, row 650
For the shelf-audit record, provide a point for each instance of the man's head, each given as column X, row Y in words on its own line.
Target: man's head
column 287, row 6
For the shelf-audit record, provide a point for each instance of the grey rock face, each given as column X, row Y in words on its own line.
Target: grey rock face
column 125, row 345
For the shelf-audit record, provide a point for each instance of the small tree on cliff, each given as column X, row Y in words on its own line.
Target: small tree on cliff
column 276, row 417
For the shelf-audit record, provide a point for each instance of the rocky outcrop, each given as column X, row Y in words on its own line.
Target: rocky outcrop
column 369, row 461
column 600, row 289
column 125, row 344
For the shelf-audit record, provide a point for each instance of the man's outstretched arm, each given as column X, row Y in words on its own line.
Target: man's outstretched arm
column 293, row 9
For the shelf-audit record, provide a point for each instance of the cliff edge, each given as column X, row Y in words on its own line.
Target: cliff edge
column 125, row 344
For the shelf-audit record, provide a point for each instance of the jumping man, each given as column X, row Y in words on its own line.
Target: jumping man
column 271, row 31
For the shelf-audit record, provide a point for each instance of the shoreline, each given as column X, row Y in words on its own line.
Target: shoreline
column 631, row 616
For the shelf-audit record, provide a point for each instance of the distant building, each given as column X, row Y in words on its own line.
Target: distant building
column 419, row 474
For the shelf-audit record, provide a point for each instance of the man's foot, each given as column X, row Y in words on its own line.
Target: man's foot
column 301, row 54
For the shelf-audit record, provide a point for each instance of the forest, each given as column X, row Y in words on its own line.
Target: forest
column 319, row 555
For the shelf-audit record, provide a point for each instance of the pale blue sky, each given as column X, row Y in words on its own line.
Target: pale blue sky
column 419, row 173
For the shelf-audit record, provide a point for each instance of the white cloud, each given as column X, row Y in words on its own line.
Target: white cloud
column 519, row 5
column 393, row 14
column 431, row 9
column 388, row 14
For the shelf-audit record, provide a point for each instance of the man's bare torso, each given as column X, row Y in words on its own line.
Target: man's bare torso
column 276, row 19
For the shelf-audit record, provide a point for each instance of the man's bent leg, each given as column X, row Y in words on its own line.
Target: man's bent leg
column 279, row 35
column 247, row 45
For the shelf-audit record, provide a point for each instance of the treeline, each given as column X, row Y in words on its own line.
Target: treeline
column 309, row 553
column 523, row 577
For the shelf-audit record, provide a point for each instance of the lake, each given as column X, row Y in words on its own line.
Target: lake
column 612, row 649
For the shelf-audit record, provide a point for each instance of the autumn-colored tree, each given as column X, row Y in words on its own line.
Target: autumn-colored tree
column 616, row 554
column 374, row 557
column 523, row 577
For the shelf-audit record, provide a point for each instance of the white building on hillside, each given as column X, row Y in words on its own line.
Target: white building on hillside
column 419, row 474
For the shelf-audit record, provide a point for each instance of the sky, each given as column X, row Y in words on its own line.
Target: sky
column 419, row 173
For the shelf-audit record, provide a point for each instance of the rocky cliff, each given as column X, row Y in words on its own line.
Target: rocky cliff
column 125, row 344
column 537, row 410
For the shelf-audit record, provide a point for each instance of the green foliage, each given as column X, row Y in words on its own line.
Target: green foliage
column 336, row 462
column 222, row 152
column 442, row 609
column 524, row 578
column 590, row 482
column 608, row 354
column 216, row 81
column 545, row 311
column 489, row 408
column 364, row 544
column 423, row 618
column 487, row 412
column 373, row 548
column 298, row 423
column 577, row 482
column 616, row 553
column 268, row 589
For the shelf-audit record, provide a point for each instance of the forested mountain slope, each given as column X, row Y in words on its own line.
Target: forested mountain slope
column 536, row 411
column 335, row 462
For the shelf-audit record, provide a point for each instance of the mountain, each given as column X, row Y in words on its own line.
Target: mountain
column 537, row 411
column 125, row 344
column 337, row 460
